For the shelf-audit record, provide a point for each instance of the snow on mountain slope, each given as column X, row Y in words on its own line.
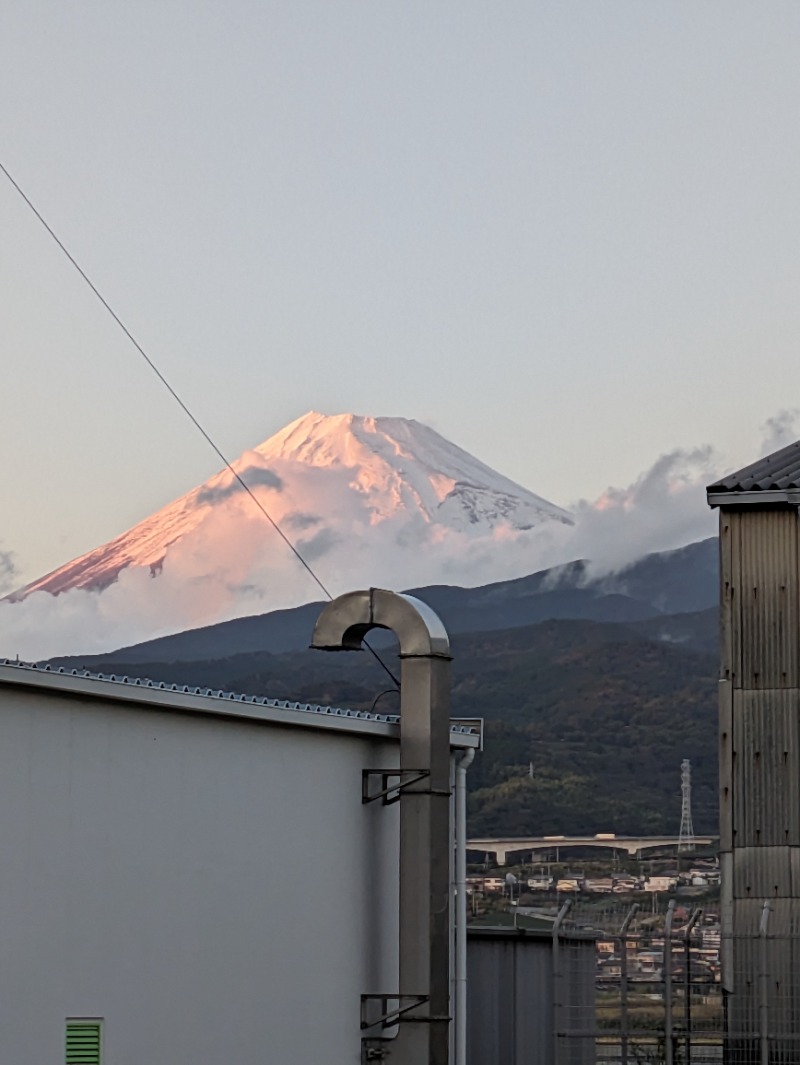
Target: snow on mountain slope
column 365, row 500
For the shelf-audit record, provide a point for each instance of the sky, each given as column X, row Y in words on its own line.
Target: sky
column 564, row 234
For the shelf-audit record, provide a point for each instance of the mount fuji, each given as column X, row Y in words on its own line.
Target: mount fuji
column 364, row 500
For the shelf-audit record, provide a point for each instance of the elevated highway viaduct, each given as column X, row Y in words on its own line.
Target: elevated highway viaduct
column 635, row 846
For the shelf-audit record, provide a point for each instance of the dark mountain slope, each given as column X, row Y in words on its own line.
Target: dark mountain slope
column 673, row 582
column 605, row 722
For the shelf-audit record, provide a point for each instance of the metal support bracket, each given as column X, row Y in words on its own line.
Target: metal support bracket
column 392, row 1010
column 391, row 792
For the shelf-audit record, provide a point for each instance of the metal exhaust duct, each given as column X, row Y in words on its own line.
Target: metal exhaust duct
column 420, row 1005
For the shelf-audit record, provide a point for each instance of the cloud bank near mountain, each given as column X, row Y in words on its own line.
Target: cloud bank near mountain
column 665, row 507
column 8, row 571
column 206, row 578
column 779, row 431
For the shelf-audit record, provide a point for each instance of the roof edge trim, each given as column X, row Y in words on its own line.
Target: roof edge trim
column 157, row 695
column 765, row 497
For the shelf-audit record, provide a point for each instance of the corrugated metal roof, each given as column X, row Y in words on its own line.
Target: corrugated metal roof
column 219, row 694
column 779, row 472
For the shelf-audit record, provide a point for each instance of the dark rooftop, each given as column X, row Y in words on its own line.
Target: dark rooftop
column 779, row 472
column 508, row 932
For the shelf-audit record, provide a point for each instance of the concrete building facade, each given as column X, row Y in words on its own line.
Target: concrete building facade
column 195, row 872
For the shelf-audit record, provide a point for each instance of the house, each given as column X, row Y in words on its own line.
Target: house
column 660, row 883
column 623, row 885
column 609, row 971
column 650, row 963
column 494, row 884
column 568, row 884
column 598, row 884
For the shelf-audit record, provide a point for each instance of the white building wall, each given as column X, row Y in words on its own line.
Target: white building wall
column 213, row 889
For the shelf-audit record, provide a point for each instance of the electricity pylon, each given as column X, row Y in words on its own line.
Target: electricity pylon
column 686, row 834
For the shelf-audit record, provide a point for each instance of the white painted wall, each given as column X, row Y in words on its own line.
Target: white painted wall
column 213, row 889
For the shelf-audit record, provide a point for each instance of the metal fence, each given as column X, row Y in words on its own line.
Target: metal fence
column 659, row 994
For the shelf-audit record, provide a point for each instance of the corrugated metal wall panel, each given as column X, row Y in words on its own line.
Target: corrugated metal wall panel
column 762, row 873
column 759, row 744
column 725, row 765
column 729, row 525
column 727, row 916
column 777, row 957
column 510, row 1002
column 747, row 914
column 511, row 997
column 768, row 589
column 783, row 917
column 766, row 768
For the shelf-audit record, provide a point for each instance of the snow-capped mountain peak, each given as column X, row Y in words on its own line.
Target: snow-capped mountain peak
column 393, row 458
column 367, row 500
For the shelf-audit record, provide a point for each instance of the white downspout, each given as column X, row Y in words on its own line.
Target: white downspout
column 462, row 766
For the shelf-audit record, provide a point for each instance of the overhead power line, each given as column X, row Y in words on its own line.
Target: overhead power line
column 186, row 410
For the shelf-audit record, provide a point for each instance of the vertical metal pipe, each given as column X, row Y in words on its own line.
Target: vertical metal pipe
column 557, row 1004
column 424, row 790
column 668, row 1025
column 623, row 982
column 424, row 858
column 763, row 983
column 462, row 766
column 687, row 982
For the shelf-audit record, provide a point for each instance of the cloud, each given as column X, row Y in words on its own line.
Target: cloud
column 779, row 431
column 253, row 477
column 302, row 521
column 8, row 571
column 319, row 544
column 664, row 508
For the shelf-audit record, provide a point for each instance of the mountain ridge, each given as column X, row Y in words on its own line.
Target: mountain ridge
column 326, row 480
column 659, row 586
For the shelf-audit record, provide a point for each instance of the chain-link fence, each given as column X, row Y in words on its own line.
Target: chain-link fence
column 659, row 995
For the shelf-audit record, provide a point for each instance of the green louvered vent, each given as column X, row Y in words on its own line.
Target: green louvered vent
column 83, row 1043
